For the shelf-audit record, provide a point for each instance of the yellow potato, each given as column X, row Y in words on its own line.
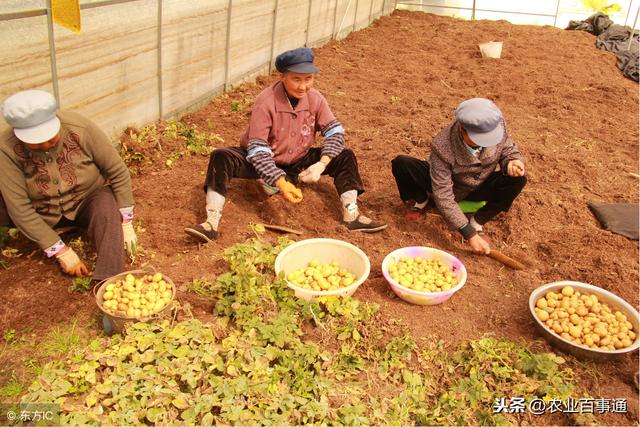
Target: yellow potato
column 325, row 277
column 583, row 319
column 423, row 274
column 567, row 291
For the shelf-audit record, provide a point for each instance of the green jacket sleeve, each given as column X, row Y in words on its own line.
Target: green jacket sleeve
column 19, row 207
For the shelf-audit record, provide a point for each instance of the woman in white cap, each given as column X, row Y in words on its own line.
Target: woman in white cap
column 464, row 164
column 59, row 169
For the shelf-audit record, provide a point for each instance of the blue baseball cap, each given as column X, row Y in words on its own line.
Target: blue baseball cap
column 32, row 114
column 482, row 120
column 297, row 60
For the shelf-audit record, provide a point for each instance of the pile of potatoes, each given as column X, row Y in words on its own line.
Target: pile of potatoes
column 583, row 319
column 322, row 277
column 137, row 297
column 423, row 274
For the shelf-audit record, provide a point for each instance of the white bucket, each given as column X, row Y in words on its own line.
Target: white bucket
column 491, row 49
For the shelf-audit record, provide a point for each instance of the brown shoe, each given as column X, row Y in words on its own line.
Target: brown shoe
column 205, row 235
column 365, row 225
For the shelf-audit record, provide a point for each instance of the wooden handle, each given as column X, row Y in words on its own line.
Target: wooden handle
column 508, row 261
column 281, row 229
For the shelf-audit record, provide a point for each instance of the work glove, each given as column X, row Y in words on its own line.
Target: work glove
column 70, row 263
column 289, row 191
column 312, row 173
column 130, row 238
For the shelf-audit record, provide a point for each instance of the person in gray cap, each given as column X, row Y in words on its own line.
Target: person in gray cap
column 474, row 159
column 59, row 169
column 277, row 149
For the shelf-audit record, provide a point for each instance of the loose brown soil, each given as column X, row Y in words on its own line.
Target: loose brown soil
column 394, row 85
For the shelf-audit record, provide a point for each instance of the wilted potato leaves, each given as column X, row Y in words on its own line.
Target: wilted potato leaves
column 261, row 366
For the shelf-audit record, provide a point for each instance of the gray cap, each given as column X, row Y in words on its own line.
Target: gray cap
column 483, row 121
column 32, row 114
column 298, row 60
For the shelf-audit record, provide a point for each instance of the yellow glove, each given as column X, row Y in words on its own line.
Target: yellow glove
column 130, row 238
column 70, row 263
column 289, row 191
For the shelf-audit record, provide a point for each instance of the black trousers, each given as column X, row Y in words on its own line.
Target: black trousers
column 498, row 190
column 100, row 217
column 231, row 162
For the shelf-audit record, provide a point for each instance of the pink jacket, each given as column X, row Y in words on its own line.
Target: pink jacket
column 289, row 132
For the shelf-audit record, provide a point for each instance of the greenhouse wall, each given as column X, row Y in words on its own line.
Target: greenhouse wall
column 136, row 61
column 533, row 12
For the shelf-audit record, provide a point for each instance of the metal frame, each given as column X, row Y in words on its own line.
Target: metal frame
column 335, row 18
column 474, row 9
column 306, row 36
column 228, row 46
column 160, row 88
column 52, row 53
column 273, row 35
column 47, row 12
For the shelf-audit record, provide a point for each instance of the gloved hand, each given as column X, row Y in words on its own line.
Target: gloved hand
column 312, row 173
column 130, row 238
column 289, row 191
column 70, row 263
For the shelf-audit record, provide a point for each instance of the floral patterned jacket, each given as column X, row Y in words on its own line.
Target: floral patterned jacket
column 41, row 187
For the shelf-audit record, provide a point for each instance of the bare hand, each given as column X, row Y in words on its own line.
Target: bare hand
column 515, row 168
column 479, row 245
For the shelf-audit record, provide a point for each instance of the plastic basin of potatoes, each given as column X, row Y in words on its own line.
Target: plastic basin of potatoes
column 424, row 298
column 117, row 323
column 298, row 255
column 613, row 301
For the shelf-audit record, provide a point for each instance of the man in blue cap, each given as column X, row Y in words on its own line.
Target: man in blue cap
column 473, row 158
column 277, row 149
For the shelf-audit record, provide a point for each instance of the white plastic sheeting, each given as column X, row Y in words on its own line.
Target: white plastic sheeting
column 535, row 12
column 136, row 61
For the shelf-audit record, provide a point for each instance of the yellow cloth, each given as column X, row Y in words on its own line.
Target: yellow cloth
column 67, row 13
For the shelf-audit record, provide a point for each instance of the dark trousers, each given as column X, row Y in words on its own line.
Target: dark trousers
column 498, row 190
column 231, row 162
column 100, row 217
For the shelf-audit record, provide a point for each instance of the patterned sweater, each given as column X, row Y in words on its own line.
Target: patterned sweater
column 455, row 172
column 40, row 187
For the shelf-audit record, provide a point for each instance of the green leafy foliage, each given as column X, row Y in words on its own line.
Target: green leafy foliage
column 203, row 287
column 4, row 236
column 238, row 105
column 62, row 340
column 9, row 336
column 195, row 141
column 271, row 358
column 80, row 285
column 12, row 388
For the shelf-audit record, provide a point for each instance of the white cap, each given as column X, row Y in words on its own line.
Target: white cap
column 32, row 114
